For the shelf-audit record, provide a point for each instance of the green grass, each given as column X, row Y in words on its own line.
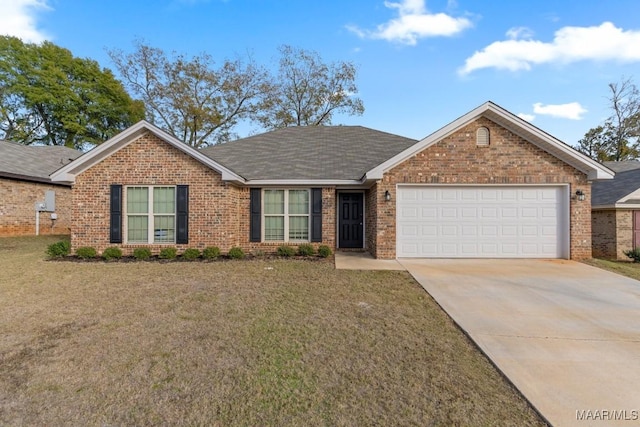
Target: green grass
column 260, row 342
column 625, row 268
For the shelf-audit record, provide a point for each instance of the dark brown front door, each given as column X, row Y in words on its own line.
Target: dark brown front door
column 351, row 220
column 636, row 229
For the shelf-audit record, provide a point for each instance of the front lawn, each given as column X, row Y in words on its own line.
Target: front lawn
column 626, row 268
column 260, row 342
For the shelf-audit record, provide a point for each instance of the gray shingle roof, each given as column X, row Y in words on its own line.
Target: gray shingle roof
column 33, row 163
column 623, row 166
column 309, row 152
column 609, row 191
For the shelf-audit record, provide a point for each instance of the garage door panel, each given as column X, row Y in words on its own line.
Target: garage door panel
column 486, row 222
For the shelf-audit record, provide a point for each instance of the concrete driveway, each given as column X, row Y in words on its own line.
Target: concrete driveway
column 567, row 335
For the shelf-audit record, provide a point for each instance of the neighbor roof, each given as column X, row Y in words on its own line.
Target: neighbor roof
column 309, row 153
column 33, row 163
column 623, row 166
column 615, row 192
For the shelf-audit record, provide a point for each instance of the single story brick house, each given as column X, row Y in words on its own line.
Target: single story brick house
column 25, row 182
column 488, row 184
column 615, row 211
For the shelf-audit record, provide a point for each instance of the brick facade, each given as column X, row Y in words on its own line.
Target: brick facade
column 213, row 204
column 218, row 211
column 456, row 159
column 612, row 233
column 17, row 208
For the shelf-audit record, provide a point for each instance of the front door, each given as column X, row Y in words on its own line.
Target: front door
column 350, row 221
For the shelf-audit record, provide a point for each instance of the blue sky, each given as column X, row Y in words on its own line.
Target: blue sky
column 421, row 63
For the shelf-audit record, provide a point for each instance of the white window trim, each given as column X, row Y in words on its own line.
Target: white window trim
column 286, row 216
column 150, row 216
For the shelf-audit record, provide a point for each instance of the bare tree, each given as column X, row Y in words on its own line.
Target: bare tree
column 307, row 91
column 188, row 97
column 619, row 137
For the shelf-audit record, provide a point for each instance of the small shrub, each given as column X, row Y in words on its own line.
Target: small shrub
column 633, row 254
column 168, row 253
column 306, row 249
column 86, row 252
column 236, row 253
column 59, row 249
column 212, row 252
column 258, row 253
column 112, row 252
column 285, row 250
column 191, row 254
column 142, row 253
column 324, row 251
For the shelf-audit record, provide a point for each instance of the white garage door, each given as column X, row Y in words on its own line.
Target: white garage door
column 482, row 221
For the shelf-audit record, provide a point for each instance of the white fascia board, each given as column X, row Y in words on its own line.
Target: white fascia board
column 302, row 182
column 124, row 138
column 633, row 195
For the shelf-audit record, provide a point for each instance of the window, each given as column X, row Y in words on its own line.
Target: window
column 151, row 214
column 286, row 215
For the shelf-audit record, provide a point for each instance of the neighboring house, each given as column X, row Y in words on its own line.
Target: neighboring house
column 615, row 211
column 489, row 184
column 25, row 182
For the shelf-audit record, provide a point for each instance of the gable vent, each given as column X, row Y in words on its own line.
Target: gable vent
column 482, row 137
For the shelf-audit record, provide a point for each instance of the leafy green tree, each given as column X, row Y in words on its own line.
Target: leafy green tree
column 619, row 137
column 307, row 91
column 49, row 97
column 193, row 100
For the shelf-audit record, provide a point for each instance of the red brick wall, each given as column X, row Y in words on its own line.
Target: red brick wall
column 612, row 233
column 17, row 212
column 371, row 218
column 213, row 204
column 508, row 159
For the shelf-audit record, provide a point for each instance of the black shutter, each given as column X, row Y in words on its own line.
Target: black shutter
column 255, row 227
column 115, row 222
column 182, row 214
column 316, row 214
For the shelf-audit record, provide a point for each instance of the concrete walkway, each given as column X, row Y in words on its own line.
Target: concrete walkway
column 567, row 335
column 364, row 261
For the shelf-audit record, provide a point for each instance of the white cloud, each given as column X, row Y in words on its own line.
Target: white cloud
column 18, row 18
column 517, row 33
column 413, row 22
column 572, row 110
column 527, row 117
column 570, row 44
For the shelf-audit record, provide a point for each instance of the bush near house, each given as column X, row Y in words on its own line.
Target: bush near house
column 168, row 253
column 59, row 249
column 324, row 251
column 212, row 252
column 236, row 253
column 191, row 254
column 142, row 253
column 306, row 249
column 112, row 252
column 86, row 252
column 634, row 254
column 285, row 251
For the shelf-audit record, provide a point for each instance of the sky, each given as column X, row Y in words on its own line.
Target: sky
column 421, row 64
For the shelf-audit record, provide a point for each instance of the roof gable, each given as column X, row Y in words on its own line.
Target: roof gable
column 33, row 162
column 514, row 124
column 109, row 147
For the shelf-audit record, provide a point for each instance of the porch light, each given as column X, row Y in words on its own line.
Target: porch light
column 580, row 195
column 387, row 196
